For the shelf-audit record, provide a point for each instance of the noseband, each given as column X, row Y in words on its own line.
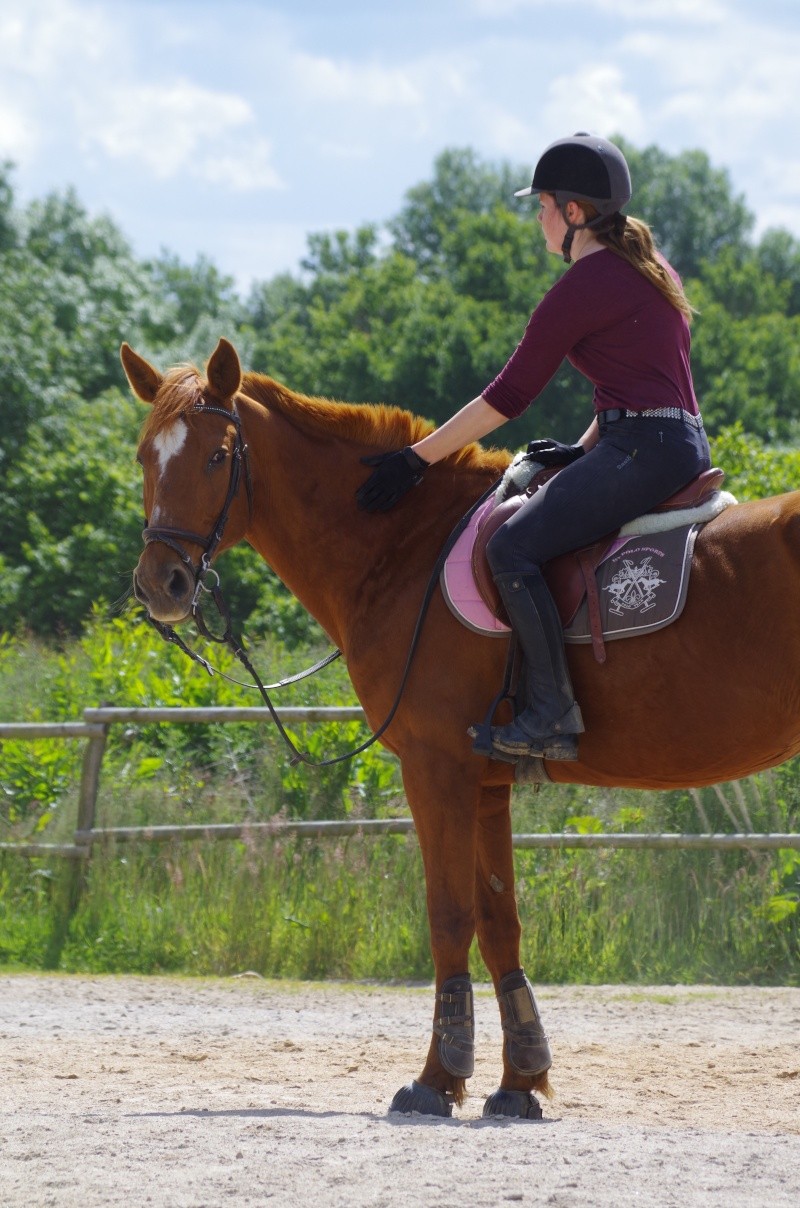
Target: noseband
column 209, row 545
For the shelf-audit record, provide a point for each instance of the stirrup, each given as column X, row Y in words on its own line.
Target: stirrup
column 481, row 732
column 562, row 747
column 560, row 740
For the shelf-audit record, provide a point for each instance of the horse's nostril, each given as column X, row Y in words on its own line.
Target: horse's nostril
column 178, row 583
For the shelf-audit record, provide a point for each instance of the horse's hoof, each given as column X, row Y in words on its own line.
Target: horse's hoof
column 518, row 1105
column 423, row 1099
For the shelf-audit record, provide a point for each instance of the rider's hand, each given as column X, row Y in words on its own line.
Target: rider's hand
column 395, row 474
column 554, row 453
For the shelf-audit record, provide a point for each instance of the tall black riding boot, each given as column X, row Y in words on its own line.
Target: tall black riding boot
column 549, row 723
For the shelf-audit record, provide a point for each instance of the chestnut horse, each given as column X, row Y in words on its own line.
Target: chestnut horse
column 713, row 697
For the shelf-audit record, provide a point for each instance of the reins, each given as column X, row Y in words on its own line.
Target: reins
column 209, row 545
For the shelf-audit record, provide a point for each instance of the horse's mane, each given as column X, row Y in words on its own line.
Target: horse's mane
column 378, row 425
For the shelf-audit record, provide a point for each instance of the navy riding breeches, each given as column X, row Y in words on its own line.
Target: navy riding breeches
column 636, row 464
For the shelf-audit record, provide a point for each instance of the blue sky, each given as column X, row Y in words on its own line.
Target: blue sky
column 235, row 128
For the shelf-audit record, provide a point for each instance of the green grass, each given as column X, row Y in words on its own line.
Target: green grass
column 355, row 909
column 346, row 908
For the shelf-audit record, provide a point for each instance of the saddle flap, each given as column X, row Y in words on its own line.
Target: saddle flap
column 564, row 575
column 491, row 522
column 488, row 525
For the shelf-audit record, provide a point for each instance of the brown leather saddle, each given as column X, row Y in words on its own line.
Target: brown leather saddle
column 572, row 577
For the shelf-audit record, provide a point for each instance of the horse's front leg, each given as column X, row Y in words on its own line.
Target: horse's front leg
column 443, row 795
column 526, row 1052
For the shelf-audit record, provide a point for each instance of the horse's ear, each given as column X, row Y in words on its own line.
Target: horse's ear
column 224, row 371
column 143, row 378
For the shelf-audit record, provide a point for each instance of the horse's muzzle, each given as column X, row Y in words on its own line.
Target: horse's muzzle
column 165, row 590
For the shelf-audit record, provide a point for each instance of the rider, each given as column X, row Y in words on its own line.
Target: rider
column 620, row 316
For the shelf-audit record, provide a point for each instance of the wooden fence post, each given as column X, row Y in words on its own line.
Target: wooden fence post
column 90, row 783
column 73, row 879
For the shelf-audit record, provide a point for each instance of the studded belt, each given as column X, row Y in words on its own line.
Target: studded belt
column 613, row 414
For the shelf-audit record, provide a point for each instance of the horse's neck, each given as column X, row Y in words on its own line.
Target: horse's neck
column 335, row 559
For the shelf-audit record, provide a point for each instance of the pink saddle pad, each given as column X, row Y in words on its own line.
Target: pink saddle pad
column 458, row 582
column 642, row 584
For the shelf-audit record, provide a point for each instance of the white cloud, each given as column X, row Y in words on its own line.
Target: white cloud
column 186, row 117
column 733, row 95
column 594, row 99
column 701, row 12
column 507, row 134
column 371, row 84
column 19, row 136
column 43, row 45
column 183, row 128
column 41, row 37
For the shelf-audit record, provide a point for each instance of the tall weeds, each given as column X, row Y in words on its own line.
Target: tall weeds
column 351, row 908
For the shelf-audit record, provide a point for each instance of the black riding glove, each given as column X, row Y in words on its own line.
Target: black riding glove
column 554, row 453
column 395, row 474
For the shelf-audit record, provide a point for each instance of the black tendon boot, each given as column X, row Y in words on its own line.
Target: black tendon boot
column 549, row 724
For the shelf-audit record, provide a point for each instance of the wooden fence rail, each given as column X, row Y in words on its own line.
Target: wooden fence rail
column 95, row 727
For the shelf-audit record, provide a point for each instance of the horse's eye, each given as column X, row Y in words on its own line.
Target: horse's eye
column 218, row 457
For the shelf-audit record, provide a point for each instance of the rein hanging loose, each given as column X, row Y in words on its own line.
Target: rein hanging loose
column 209, row 545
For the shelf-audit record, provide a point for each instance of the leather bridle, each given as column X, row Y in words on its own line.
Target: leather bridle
column 173, row 537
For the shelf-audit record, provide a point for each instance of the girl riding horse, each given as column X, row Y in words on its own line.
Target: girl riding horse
column 620, row 316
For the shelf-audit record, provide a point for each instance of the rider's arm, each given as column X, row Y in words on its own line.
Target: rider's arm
column 474, row 421
column 590, row 436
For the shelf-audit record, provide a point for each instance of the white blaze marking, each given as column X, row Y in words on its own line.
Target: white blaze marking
column 169, row 442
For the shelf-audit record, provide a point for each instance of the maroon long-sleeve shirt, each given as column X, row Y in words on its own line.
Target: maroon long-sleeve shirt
column 616, row 328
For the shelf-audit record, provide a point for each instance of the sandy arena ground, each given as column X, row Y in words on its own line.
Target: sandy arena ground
column 190, row 1093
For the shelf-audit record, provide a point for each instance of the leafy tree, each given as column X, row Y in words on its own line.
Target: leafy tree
column 752, row 470
column 746, row 369
column 188, row 297
column 778, row 254
column 70, row 290
column 8, row 232
column 688, row 203
column 461, row 184
column 99, row 292
column 745, row 359
column 34, row 354
column 73, row 510
column 423, row 314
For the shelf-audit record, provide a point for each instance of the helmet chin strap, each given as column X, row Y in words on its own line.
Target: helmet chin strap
column 603, row 222
column 566, row 246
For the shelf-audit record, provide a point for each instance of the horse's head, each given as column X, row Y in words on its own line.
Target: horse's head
column 194, row 461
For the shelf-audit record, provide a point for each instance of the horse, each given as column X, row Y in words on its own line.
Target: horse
column 713, row 697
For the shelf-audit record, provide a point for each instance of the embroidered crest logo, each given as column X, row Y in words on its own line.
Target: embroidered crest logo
column 633, row 588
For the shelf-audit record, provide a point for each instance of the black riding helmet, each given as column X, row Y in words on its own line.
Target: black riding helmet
column 582, row 168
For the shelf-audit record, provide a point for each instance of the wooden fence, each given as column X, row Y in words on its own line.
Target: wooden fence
column 94, row 731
